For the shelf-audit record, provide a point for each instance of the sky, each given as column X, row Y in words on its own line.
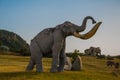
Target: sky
column 28, row 17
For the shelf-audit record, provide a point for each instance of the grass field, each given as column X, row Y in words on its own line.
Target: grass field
column 13, row 68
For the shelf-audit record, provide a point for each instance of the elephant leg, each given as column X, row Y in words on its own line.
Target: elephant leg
column 62, row 60
column 55, row 53
column 30, row 65
column 54, row 62
column 61, row 63
column 36, row 56
column 38, row 61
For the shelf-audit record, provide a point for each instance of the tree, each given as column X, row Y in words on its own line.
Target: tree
column 74, row 55
column 0, row 43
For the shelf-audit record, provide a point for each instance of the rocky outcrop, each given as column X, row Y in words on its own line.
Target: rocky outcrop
column 77, row 65
column 68, row 64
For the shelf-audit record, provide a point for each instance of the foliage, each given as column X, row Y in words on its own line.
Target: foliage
column 74, row 55
column 0, row 43
column 101, row 56
column 117, row 56
column 13, row 41
column 110, row 57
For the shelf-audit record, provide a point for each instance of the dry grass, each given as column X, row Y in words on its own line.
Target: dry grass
column 13, row 68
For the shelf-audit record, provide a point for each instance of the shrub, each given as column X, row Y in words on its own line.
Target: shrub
column 110, row 57
column 118, row 56
column 101, row 56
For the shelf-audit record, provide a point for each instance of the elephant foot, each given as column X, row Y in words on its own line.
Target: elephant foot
column 39, row 67
column 29, row 68
column 53, row 70
column 60, row 69
column 39, row 70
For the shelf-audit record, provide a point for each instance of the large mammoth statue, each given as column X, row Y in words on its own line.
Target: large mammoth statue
column 93, row 51
column 52, row 40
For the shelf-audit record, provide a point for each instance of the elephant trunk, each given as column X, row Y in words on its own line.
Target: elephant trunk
column 89, row 34
column 83, row 26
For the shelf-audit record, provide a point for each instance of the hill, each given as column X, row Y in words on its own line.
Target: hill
column 13, row 68
column 13, row 41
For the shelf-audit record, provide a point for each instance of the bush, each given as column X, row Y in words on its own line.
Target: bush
column 74, row 54
column 101, row 56
column 110, row 57
column 118, row 56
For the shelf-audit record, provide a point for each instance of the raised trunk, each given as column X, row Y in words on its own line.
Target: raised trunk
column 89, row 34
column 83, row 26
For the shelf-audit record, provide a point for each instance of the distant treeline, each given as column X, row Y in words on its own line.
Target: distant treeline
column 102, row 56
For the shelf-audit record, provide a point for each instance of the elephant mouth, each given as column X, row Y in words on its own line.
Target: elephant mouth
column 88, row 34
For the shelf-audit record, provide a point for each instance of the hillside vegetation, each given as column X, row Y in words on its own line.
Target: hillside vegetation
column 13, row 68
column 13, row 41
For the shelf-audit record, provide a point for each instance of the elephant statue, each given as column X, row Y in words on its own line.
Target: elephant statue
column 52, row 41
column 97, row 51
column 87, row 51
column 93, row 51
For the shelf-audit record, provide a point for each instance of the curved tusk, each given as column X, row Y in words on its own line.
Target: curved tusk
column 89, row 34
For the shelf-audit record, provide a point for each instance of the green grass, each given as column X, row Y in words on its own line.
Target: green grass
column 13, row 68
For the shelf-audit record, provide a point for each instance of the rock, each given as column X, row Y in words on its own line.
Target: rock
column 77, row 65
column 68, row 64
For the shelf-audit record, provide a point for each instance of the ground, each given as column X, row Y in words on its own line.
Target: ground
column 13, row 68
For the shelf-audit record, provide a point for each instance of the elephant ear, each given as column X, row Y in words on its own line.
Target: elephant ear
column 89, row 34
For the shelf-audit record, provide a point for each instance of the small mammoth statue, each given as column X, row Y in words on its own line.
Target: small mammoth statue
column 52, row 41
column 93, row 51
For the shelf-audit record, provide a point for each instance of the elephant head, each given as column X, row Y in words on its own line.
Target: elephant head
column 87, row 51
column 97, row 51
column 72, row 29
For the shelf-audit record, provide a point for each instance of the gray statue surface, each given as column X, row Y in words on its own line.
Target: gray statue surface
column 52, row 41
column 93, row 51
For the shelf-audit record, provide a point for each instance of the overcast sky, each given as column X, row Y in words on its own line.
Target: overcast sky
column 28, row 17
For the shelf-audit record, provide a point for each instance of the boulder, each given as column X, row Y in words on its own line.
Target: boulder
column 77, row 64
column 68, row 64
